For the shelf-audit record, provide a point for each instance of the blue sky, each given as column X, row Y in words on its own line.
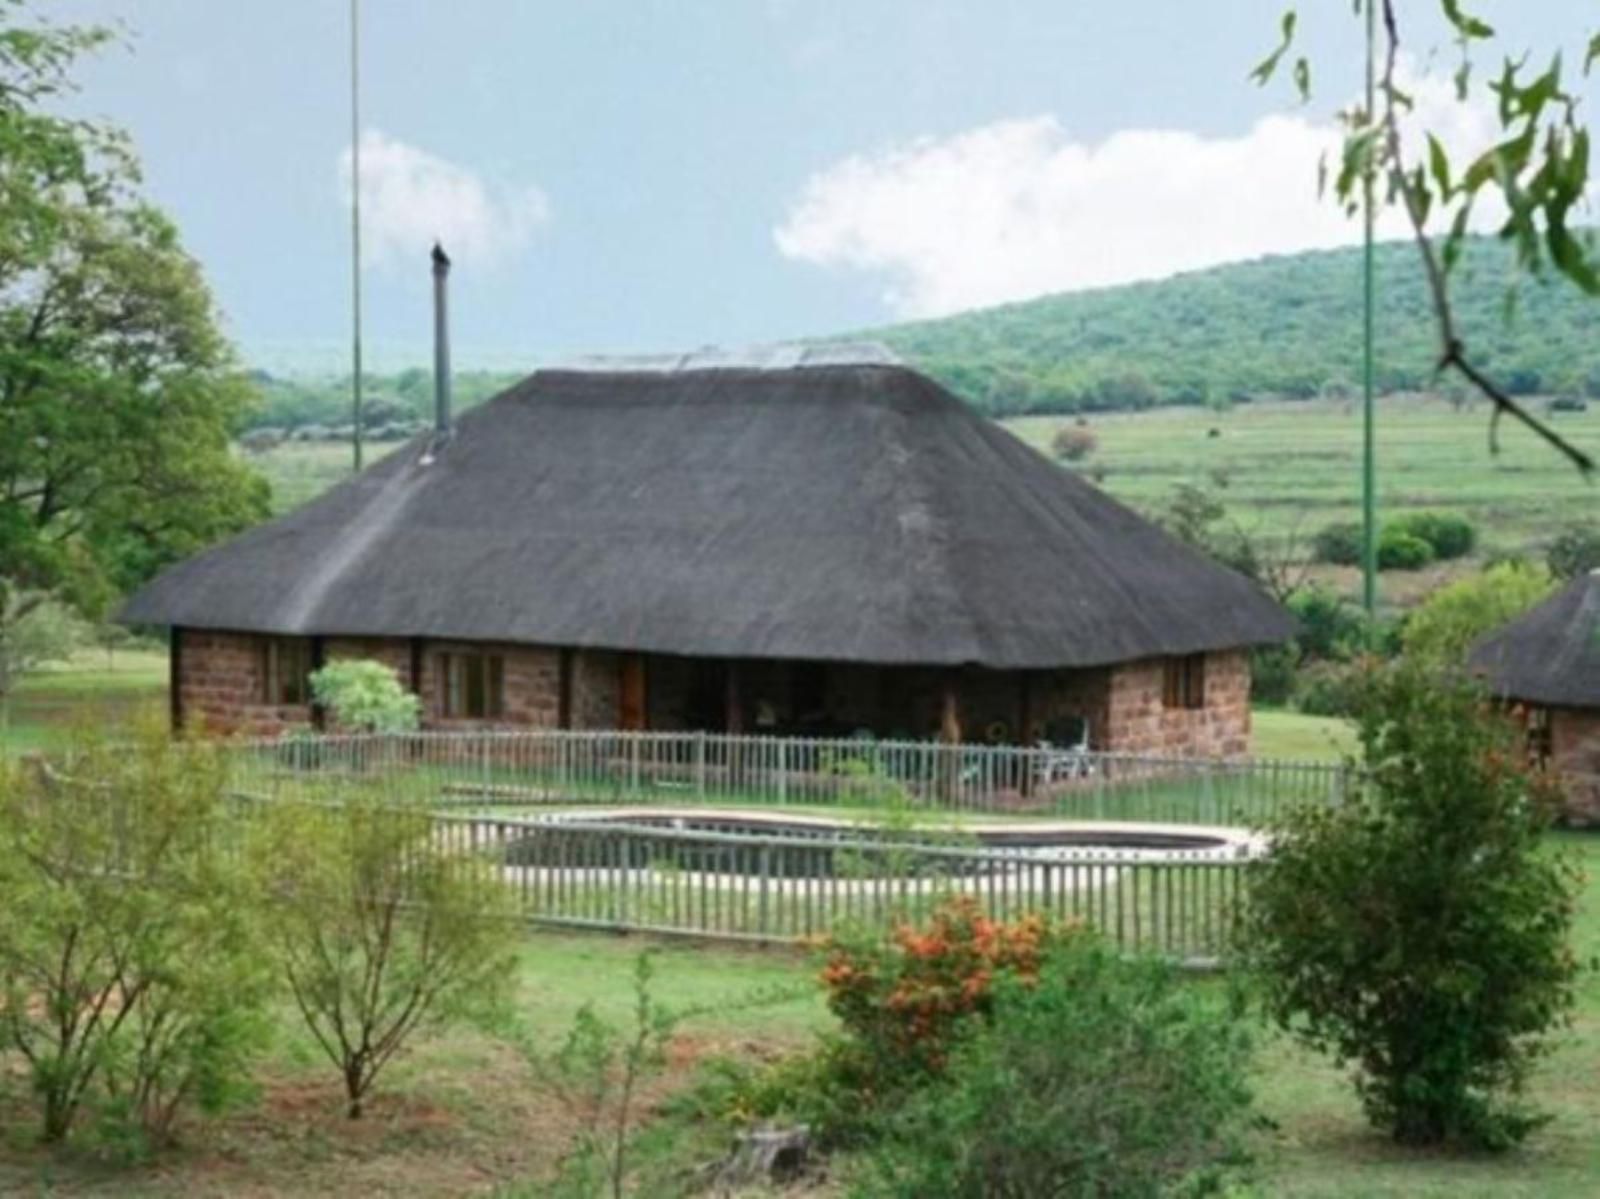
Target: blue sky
column 658, row 174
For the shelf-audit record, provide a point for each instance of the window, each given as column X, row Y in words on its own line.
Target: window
column 1540, row 739
column 1183, row 683
column 474, row 685
column 285, row 671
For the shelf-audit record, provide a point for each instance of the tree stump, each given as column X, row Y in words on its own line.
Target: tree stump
column 766, row 1155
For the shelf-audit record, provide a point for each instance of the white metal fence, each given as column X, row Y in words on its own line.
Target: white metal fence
column 512, row 772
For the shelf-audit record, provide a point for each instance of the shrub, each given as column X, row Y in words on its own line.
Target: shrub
column 1569, row 404
column 1444, row 627
column 1330, row 627
column 1574, row 552
column 1106, row 1077
column 903, row 1001
column 1272, row 670
column 1420, row 929
column 1398, row 550
column 1337, row 544
column 366, row 695
column 1328, row 688
column 1450, row 535
column 1073, row 443
column 381, row 930
column 129, row 977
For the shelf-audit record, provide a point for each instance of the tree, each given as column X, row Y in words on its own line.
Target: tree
column 33, row 631
column 1445, row 626
column 118, row 393
column 1539, row 170
column 1420, row 929
column 381, row 929
column 128, row 969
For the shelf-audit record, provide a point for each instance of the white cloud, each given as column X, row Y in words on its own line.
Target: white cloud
column 1017, row 208
column 410, row 197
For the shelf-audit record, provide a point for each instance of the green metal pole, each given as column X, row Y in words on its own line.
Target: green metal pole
column 355, row 233
column 1369, row 513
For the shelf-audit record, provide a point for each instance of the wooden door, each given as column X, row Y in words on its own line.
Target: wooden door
column 631, row 714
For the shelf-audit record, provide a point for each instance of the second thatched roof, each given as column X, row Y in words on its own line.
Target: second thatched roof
column 1551, row 653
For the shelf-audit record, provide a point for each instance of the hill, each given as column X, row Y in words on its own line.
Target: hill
column 1285, row 327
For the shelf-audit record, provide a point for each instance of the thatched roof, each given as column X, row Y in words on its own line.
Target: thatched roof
column 1551, row 653
column 801, row 508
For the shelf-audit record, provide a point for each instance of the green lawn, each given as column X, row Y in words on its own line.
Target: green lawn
column 1275, row 733
column 94, row 688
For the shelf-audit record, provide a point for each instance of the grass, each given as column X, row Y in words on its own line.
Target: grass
column 1275, row 733
column 93, row 687
column 1429, row 456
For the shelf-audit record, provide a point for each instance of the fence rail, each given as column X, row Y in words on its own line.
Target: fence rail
column 528, row 802
column 509, row 772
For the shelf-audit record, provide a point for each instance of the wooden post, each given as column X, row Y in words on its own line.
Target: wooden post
column 950, row 735
column 564, row 688
column 319, row 714
column 175, row 680
column 1025, row 730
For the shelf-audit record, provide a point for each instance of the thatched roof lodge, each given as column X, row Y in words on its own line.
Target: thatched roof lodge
column 807, row 541
column 1546, row 663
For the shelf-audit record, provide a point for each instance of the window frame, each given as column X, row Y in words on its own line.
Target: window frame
column 472, row 685
column 1183, row 682
column 285, row 664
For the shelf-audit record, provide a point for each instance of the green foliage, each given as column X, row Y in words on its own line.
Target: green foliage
column 1105, row 1077
column 1276, row 328
column 1338, row 544
column 1419, row 931
column 1445, row 626
column 1398, row 550
column 1575, row 551
column 381, row 931
column 121, row 394
column 128, row 960
column 366, row 696
column 1328, row 688
column 597, row 1074
column 1450, row 535
column 35, row 630
column 1272, row 674
column 1330, row 626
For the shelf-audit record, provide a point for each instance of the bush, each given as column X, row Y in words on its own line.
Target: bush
column 903, row 1001
column 1444, row 627
column 1073, row 443
column 1420, row 929
column 1569, row 404
column 1450, row 535
column 1398, row 550
column 1328, row 688
column 1337, row 544
column 366, row 696
column 1330, row 627
column 1574, row 552
column 1107, row 1077
column 381, row 930
column 1272, row 669
column 130, row 980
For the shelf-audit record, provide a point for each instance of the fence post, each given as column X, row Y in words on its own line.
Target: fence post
column 763, row 898
column 700, row 765
column 783, row 770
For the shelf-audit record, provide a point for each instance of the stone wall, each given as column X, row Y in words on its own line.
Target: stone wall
column 220, row 686
column 1139, row 722
column 1575, row 755
column 221, row 692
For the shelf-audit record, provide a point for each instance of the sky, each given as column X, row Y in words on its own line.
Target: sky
column 638, row 175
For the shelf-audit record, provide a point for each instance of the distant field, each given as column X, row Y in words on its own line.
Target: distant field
column 1287, row 465
column 1281, row 467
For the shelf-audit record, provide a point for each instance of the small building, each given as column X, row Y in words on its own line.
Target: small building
column 1546, row 663
column 808, row 541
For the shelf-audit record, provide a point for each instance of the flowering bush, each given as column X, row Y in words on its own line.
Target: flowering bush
column 902, row 1002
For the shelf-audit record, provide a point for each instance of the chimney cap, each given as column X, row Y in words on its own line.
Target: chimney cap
column 441, row 260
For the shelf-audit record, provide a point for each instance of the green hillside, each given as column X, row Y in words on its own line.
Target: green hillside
column 1284, row 327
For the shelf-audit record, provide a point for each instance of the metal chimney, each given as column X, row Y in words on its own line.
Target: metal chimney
column 441, row 344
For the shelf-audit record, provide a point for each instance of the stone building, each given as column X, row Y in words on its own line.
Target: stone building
column 809, row 542
column 1546, row 665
